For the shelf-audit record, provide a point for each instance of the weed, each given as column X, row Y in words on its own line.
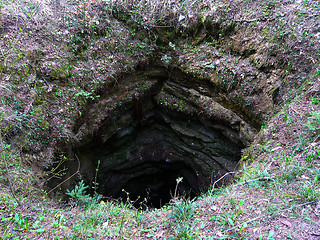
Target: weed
column 96, row 215
column 313, row 123
column 184, row 231
column 21, row 222
column 315, row 100
column 300, row 146
column 317, row 178
column 293, row 172
column 80, row 196
column 313, row 156
column 182, row 212
column 230, row 217
column 309, row 192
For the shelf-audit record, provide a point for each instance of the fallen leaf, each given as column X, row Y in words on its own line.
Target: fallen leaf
column 276, row 148
column 105, row 225
column 287, row 223
column 303, row 177
column 159, row 233
column 214, row 208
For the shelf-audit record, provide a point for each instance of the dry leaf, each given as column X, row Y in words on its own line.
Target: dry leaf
column 159, row 234
column 214, row 208
column 105, row 225
column 287, row 223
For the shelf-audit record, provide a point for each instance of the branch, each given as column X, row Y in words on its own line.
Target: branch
column 221, row 179
column 78, row 170
column 253, row 180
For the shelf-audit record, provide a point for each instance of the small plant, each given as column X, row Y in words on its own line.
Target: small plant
column 315, row 100
column 230, row 218
column 313, row 123
column 95, row 216
column 81, row 197
column 300, row 145
column 182, row 212
column 22, row 223
column 312, row 156
column 85, row 95
column 184, row 231
column 237, row 212
column 178, row 180
column 166, row 58
column 292, row 173
column 317, row 178
column 308, row 192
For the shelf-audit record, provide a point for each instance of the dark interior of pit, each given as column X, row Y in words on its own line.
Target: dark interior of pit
column 142, row 148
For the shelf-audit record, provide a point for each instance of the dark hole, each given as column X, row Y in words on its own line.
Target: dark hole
column 158, row 185
column 141, row 162
column 143, row 147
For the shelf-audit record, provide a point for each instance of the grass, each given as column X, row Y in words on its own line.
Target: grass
column 180, row 219
column 83, row 50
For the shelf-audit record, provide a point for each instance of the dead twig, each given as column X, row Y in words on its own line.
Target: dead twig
column 226, row 174
column 294, row 110
column 78, row 170
column 253, row 180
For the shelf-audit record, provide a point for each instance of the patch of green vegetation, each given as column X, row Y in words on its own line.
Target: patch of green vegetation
column 313, row 123
column 181, row 216
column 81, row 197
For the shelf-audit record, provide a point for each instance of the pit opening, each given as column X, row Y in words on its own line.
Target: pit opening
column 156, row 136
column 158, row 187
column 143, row 160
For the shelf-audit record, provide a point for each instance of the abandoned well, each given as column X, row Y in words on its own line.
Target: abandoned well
column 152, row 128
